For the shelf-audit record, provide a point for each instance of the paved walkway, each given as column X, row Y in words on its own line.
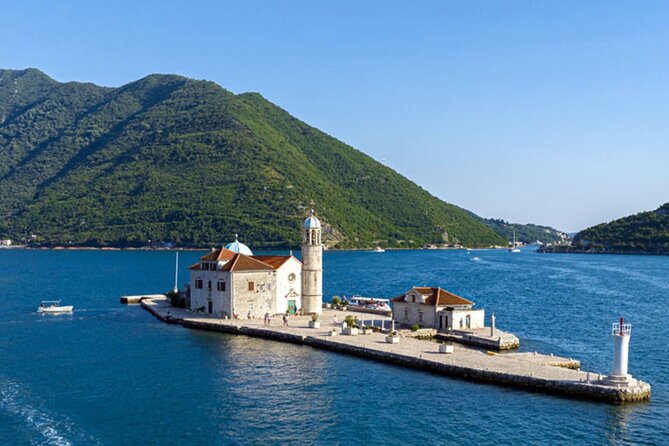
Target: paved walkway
column 529, row 370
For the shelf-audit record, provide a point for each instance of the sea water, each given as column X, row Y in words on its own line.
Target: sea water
column 112, row 374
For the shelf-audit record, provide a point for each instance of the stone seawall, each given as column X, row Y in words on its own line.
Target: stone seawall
column 532, row 372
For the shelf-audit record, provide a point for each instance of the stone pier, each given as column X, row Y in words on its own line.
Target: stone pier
column 525, row 370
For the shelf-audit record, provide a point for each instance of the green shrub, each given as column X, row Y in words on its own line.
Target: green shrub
column 351, row 321
column 415, row 328
column 176, row 299
column 336, row 300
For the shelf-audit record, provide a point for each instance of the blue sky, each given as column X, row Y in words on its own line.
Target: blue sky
column 552, row 112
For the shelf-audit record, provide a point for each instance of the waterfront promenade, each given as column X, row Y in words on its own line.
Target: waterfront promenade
column 527, row 370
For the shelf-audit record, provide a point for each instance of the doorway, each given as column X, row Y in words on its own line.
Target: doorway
column 211, row 307
column 292, row 307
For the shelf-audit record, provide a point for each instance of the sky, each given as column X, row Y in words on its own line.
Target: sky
column 549, row 112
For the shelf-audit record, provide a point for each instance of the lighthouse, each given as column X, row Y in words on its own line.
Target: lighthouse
column 312, row 266
column 619, row 377
column 621, row 343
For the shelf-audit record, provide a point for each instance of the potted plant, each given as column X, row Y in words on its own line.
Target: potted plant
column 393, row 336
column 350, row 327
column 314, row 322
column 336, row 301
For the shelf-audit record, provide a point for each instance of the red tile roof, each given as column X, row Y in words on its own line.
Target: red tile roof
column 436, row 297
column 218, row 254
column 241, row 262
column 274, row 261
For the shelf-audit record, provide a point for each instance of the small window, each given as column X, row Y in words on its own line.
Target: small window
column 252, row 286
column 198, row 283
column 406, row 314
column 420, row 316
column 269, row 287
column 220, row 286
column 291, row 277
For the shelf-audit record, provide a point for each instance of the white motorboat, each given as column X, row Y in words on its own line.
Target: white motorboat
column 372, row 303
column 53, row 307
column 379, row 249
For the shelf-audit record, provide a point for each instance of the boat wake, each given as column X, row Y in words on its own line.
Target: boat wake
column 42, row 427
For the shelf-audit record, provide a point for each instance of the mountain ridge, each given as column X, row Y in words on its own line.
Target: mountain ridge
column 171, row 158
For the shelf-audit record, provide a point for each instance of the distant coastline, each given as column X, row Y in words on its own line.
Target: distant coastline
column 577, row 250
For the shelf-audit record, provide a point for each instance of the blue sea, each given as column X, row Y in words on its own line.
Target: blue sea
column 111, row 374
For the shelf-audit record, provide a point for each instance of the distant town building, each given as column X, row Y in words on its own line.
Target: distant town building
column 5, row 242
column 232, row 282
column 432, row 307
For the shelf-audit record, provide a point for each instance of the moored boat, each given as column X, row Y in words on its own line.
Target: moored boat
column 53, row 307
column 372, row 303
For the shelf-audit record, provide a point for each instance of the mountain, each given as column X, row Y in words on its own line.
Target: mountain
column 182, row 160
column 643, row 233
column 526, row 233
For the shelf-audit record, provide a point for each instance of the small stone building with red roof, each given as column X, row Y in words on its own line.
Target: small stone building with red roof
column 434, row 307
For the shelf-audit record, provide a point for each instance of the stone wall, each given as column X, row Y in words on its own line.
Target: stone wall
column 257, row 301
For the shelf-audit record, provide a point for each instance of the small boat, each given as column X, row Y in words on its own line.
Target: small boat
column 370, row 302
column 379, row 249
column 514, row 247
column 53, row 307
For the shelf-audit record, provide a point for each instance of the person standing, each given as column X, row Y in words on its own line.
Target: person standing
column 285, row 320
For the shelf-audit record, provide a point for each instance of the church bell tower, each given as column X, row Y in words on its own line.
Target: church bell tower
column 312, row 266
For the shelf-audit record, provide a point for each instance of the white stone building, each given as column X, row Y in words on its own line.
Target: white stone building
column 432, row 307
column 232, row 282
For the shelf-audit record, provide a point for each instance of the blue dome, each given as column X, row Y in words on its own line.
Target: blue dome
column 312, row 222
column 239, row 247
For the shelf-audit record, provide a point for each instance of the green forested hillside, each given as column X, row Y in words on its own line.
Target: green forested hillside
column 175, row 159
column 526, row 233
column 646, row 232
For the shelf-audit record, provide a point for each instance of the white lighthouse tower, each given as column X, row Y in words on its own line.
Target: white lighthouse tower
column 621, row 344
column 312, row 266
column 621, row 333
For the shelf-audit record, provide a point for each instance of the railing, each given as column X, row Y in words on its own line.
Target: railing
column 621, row 329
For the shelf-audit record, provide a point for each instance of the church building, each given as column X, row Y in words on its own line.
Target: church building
column 233, row 282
